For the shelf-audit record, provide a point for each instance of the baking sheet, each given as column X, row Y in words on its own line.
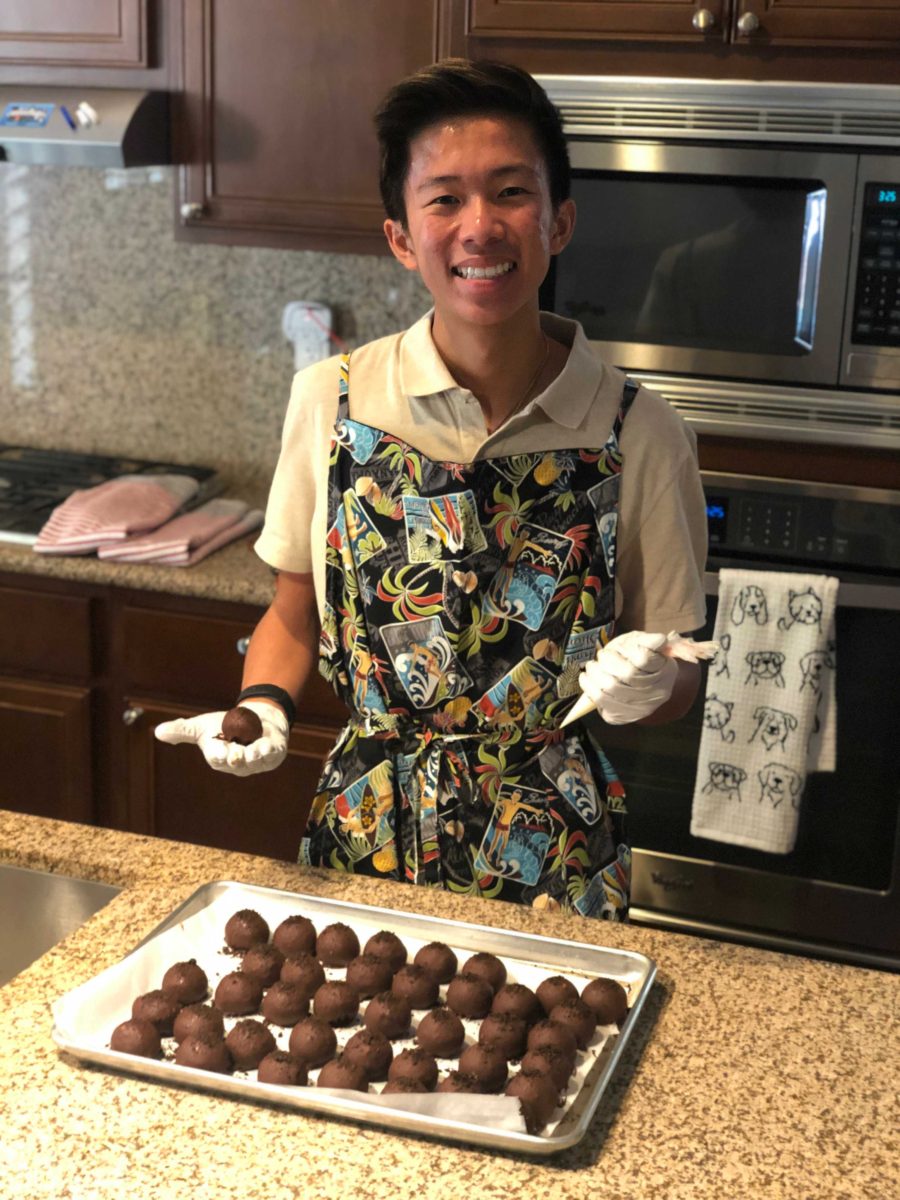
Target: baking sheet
column 85, row 1017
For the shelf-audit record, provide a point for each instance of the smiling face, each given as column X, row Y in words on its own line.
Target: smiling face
column 480, row 226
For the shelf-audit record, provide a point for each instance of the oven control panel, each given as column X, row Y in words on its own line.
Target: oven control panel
column 807, row 524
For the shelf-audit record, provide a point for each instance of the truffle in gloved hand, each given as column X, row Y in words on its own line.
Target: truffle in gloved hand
column 264, row 754
column 634, row 674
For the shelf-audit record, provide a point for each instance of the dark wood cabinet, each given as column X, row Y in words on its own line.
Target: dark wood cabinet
column 275, row 121
column 91, row 33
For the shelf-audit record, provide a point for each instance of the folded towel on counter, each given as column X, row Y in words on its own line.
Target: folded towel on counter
column 252, row 520
column 770, row 715
column 179, row 538
column 110, row 512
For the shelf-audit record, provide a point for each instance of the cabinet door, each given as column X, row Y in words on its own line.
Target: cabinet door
column 626, row 20
column 45, row 750
column 277, row 135
column 91, row 33
column 840, row 24
column 174, row 794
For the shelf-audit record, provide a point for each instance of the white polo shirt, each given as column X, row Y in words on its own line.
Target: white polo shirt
column 401, row 385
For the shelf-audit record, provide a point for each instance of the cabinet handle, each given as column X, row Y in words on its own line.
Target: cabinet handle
column 748, row 23
column 242, row 645
column 703, row 20
column 192, row 211
column 130, row 715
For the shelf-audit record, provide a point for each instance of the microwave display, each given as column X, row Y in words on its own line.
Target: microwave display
column 724, row 264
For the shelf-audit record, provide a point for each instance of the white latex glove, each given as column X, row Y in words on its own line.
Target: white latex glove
column 265, row 754
column 630, row 677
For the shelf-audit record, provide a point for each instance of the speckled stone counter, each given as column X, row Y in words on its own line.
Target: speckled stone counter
column 753, row 1074
column 234, row 573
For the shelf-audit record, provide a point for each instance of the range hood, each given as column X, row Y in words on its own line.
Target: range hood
column 83, row 127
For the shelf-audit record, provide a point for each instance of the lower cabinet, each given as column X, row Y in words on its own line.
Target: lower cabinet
column 174, row 794
column 45, row 750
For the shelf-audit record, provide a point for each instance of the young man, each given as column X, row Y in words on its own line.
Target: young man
column 462, row 517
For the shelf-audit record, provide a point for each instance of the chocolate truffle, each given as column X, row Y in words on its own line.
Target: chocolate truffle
column 555, row 990
column 608, row 999
column 237, row 994
column 577, row 1016
column 388, row 1014
column 401, row 1086
column 241, row 725
column 441, row 1033
column 505, row 1032
column 416, row 985
column 248, row 1043
column 537, row 1095
column 137, row 1036
column 336, row 1002
column 263, row 962
column 487, row 1064
column 186, row 982
column 305, row 972
column 295, row 936
column 198, row 1020
column 438, row 959
column 284, row 1004
column 549, row 1060
column 486, row 966
column 416, row 1065
column 518, row 1001
column 385, row 944
column 205, row 1053
column 244, row 929
column 282, row 1068
column 371, row 1051
column 336, row 945
column 369, row 974
column 313, row 1041
column 159, row 1008
column 557, row 1036
column 470, row 995
column 341, row 1073
column 459, row 1081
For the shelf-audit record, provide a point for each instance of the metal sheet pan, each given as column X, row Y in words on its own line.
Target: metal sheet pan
column 85, row 1017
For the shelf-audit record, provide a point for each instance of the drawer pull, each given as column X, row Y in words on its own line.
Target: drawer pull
column 130, row 715
column 242, row 645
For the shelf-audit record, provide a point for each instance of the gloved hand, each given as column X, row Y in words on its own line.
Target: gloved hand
column 265, row 754
column 630, row 677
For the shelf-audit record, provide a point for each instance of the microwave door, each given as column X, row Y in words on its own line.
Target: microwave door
column 719, row 261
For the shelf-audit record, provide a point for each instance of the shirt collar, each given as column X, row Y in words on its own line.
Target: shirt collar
column 424, row 373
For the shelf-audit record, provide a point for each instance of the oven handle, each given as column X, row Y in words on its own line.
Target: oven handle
column 882, row 597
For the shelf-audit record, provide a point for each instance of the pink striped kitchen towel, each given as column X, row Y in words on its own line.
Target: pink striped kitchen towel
column 112, row 511
column 179, row 539
column 250, row 521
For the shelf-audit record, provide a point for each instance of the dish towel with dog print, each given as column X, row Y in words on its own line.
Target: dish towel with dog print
column 769, row 717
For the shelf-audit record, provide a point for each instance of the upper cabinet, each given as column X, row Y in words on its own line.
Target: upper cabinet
column 91, row 33
column 858, row 23
column 276, row 116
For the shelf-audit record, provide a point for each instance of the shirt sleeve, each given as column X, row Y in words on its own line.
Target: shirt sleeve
column 662, row 531
column 298, row 495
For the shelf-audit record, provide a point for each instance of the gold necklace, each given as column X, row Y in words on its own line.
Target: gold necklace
column 532, row 381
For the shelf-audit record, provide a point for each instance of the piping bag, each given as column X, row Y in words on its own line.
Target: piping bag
column 671, row 645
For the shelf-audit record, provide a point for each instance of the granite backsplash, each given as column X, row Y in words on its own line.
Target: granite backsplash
column 116, row 339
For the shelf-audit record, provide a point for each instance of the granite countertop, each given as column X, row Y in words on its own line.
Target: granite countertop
column 234, row 573
column 752, row 1073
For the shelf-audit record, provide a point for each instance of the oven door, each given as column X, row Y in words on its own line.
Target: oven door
column 837, row 894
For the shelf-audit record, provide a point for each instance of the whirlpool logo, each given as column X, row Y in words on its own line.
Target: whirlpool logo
column 672, row 883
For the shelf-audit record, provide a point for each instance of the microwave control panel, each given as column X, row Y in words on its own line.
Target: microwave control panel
column 876, row 306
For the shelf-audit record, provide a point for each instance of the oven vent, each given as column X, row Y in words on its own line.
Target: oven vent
column 764, row 411
column 619, row 107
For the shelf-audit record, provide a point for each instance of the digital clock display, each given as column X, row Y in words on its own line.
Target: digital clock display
column 883, row 195
column 716, row 518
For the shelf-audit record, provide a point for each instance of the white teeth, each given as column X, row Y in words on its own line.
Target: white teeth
column 484, row 272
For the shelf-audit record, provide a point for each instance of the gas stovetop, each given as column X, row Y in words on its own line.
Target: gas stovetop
column 33, row 482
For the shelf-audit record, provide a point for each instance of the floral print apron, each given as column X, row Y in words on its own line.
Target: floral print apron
column 462, row 601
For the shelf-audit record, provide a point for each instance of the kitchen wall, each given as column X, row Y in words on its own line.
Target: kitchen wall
column 116, row 339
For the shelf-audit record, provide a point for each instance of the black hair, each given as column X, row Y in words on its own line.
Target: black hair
column 457, row 87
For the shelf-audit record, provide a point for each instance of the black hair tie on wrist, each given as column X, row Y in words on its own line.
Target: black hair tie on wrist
column 269, row 691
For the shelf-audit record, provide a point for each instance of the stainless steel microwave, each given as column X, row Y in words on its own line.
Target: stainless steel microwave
column 738, row 246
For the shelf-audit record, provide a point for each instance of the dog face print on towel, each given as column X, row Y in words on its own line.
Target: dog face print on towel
column 804, row 608
column 716, row 715
column 750, row 605
column 725, row 779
